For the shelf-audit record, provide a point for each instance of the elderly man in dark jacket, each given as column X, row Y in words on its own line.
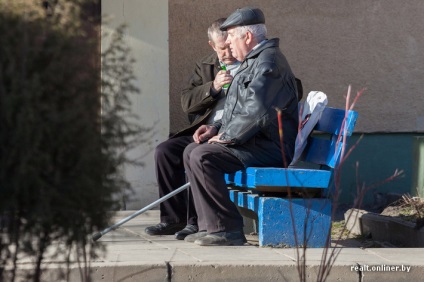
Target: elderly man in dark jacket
column 248, row 134
column 203, row 100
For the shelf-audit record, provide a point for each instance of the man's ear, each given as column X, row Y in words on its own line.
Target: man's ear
column 211, row 44
column 249, row 38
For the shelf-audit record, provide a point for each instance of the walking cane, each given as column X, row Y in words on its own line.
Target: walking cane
column 98, row 235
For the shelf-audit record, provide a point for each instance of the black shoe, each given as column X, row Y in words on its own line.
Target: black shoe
column 189, row 229
column 235, row 238
column 193, row 237
column 164, row 228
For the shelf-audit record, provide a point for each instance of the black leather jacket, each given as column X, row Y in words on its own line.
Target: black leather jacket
column 263, row 83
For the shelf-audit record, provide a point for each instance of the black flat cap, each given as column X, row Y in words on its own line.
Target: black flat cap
column 244, row 16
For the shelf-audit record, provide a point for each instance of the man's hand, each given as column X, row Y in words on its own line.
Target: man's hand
column 204, row 133
column 222, row 77
column 215, row 139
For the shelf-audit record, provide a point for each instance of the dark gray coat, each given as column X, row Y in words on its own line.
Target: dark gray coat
column 263, row 82
column 196, row 99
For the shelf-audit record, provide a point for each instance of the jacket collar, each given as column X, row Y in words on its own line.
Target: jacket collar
column 212, row 59
column 271, row 43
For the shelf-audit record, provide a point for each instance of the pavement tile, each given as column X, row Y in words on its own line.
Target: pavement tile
column 235, row 253
column 406, row 256
column 151, row 256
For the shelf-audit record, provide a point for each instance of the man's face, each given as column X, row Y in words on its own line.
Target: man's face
column 222, row 50
column 238, row 46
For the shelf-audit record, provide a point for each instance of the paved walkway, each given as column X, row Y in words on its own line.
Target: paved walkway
column 133, row 255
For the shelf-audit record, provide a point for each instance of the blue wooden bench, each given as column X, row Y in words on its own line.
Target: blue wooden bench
column 262, row 192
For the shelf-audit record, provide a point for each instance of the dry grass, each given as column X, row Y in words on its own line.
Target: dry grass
column 407, row 208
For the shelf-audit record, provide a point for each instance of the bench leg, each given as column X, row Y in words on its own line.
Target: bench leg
column 312, row 219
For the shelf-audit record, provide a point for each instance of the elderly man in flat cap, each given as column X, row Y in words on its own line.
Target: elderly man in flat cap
column 248, row 133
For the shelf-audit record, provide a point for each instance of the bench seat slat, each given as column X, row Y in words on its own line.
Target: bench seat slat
column 254, row 177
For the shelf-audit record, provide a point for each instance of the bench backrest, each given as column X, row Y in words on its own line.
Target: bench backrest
column 334, row 123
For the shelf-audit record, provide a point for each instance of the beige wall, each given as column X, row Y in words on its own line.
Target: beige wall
column 378, row 44
column 147, row 36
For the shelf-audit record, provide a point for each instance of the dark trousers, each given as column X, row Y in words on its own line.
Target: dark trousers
column 170, row 175
column 205, row 166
